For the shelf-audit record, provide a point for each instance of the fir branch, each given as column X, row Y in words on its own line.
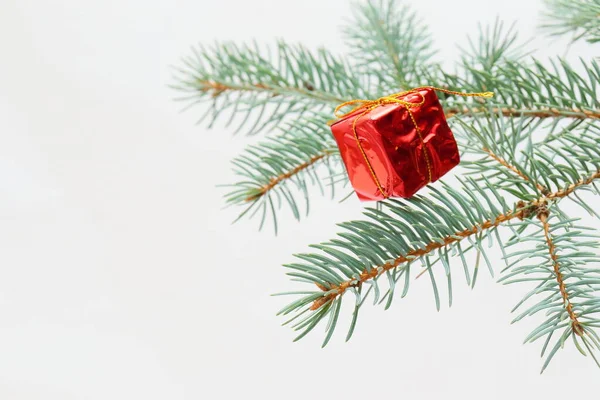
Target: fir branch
column 493, row 46
column 492, row 141
column 574, row 186
column 530, row 88
column 567, row 290
column 570, row 156
column 557, row 88
column 400, row 235
column 390, row 51
column 534, row 112
column 542, row 215
column 520, row 211
column 274, row 170
column 249, row 82
column 514, row 169
column 276, row 180
column 410, row 230
column 580, row 17
column 387, row 40
column 567, row 153
column 335, row 290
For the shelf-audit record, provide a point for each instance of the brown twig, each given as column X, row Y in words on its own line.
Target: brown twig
column 543, row 217
column 522, row 210
column 278, row 179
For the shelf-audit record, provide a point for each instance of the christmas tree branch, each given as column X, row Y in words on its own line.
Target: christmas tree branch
column 568, row 150
column 389, row 42
column 492, row 47
column 491, row 134
column 532, row 112
column 574, row 186
column 214, row 89
column 580, row 17
column 289, row 174
column 389, row 51
column 248, row 81
column 542, row 215
column 532, row 88
column 567, row 291
column 512, row 180
column 521, row 210
column 514, row 169
column 339, row 289
column 274, row 170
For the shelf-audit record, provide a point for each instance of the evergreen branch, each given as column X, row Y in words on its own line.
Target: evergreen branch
column 559, row 87
column 567, row 157
column 337, row 290
column 492, row 47
column 542, row 215
column 534, row 112
column 574, row 186
column 274, row 169
column 372, row 242
column 580, row 17
column 276, row 180
column 529, row 88
column 567, row 153
column 390, row 51
column 414, row 227
column 387, row 40
column 494, row 140
column 313, row 135
column 514, row 169
column 577, row 127
column 499, row 139
column 248, row 82
column 265, row 171
column 567, row 291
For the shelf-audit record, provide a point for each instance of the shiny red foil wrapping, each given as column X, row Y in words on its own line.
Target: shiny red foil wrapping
column 394, row 148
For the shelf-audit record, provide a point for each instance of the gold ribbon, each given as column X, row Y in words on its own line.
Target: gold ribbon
column 368, row 105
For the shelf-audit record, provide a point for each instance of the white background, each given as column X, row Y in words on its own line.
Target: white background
column 122, row 278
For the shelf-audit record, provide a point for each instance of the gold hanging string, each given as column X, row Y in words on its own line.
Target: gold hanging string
column 368, row 105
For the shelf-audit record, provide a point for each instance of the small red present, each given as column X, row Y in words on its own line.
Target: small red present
column 394, row 146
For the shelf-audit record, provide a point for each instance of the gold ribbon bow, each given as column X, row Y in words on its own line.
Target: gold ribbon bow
column 368, row 105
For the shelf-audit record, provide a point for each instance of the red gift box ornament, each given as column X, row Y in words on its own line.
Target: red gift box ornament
column 395, row 145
